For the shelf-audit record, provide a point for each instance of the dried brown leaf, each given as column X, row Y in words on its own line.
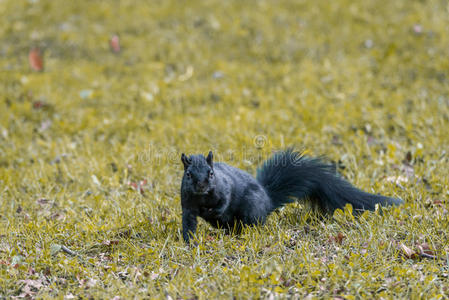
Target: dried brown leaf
column 407, row 252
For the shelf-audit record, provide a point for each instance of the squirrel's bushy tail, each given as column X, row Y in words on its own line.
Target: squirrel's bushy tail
column 289, row 174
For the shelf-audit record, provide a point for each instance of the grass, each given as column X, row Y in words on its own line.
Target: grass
column 90, row 147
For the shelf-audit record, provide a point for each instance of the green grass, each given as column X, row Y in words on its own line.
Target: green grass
column 363, row 82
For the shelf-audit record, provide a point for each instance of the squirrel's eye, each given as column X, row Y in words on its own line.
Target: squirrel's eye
column 188, row 174
column 211, row 173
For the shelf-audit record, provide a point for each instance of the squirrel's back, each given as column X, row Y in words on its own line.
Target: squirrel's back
column 248, row 198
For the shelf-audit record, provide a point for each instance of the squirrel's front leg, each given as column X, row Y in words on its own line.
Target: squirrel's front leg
column 188, row 224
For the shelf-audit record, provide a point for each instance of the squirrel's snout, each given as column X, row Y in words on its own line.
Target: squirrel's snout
column 202, row 186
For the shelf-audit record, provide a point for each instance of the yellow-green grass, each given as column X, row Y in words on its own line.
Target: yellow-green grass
column 364, row 83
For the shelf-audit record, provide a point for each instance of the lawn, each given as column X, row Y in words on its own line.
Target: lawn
column 98, row 99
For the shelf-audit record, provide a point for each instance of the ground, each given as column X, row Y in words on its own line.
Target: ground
column 98, row 99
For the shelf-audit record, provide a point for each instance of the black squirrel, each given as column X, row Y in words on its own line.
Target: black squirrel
column 229, row 198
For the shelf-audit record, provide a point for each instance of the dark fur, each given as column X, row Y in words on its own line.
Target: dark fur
column 230, row 197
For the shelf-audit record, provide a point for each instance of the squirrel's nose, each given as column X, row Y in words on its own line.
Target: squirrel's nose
column 202, row 185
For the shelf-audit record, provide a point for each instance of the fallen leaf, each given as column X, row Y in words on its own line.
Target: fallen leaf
column 138, row 186
column 340, row 238
column 55, row 248
column 57, row 216
column 114, row 44
column 424, row 248
column 438, row 202
column 407, row 252
column 110, row 243
column 35, row 59
column 38, row 104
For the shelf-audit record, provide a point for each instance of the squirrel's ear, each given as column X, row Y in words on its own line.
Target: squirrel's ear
column 185, row 160
column 209, row 159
